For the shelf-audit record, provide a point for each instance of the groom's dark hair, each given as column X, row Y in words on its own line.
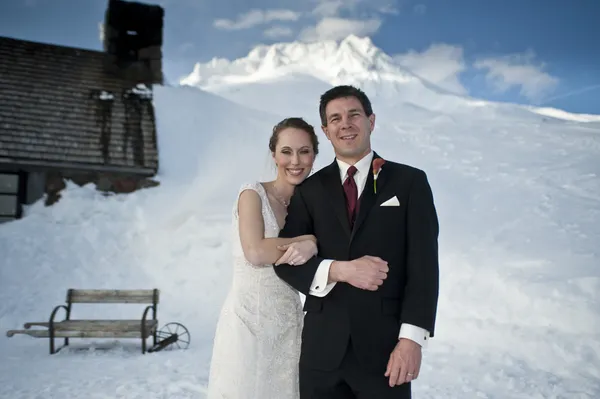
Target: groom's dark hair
column 340, row 92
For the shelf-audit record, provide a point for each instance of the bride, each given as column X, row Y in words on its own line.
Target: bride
column 257, row 341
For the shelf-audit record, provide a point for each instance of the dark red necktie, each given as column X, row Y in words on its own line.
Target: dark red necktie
column 351, row 194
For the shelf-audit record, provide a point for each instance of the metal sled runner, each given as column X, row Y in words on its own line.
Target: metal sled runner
column 170, row 336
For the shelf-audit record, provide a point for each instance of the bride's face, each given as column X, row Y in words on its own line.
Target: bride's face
column 294, row 155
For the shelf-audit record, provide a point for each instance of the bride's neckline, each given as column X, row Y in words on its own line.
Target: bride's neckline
column 273, row 213
column 280, row 198
column 272, row 190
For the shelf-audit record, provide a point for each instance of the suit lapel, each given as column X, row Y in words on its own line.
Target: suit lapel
column 368, row 197
column 332, row 185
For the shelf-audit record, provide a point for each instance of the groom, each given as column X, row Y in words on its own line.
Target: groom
column 372, row 290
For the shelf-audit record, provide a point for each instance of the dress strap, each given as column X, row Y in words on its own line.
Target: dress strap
column 256, row 186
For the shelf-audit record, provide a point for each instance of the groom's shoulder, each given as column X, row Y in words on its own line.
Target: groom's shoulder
column 312, row 180
column 404, row 170
column 402, row 166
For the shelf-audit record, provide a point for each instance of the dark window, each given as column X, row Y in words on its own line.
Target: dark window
column 9, row 197
column 9, row 183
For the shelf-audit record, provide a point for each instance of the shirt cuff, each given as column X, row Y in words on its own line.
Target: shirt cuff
column 319, row 286
column 414, row 333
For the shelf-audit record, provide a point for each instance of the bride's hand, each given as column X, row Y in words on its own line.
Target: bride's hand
column 297, row 253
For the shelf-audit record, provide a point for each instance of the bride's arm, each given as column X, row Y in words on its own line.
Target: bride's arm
column 259, row 250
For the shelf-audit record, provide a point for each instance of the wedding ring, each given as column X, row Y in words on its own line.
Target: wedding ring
column 410, row 374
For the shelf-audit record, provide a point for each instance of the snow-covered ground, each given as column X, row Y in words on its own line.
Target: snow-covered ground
column 518, row 196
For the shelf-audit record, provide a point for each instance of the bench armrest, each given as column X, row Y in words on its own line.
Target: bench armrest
column 51, row 321
column 145, row 316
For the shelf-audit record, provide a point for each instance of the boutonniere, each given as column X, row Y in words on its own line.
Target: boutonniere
column 377, row 164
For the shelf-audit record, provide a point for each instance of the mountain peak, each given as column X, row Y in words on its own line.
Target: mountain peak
column 364, row 44
column 327, row 60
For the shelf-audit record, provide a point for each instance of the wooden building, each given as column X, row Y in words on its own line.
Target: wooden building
column 82, row 115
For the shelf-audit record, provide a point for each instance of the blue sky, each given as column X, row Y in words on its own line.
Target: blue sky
column 541, row 52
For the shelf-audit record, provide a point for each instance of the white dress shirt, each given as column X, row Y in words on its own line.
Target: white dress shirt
column 319, row 286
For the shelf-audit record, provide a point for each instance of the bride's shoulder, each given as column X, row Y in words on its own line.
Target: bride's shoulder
column 252, row 185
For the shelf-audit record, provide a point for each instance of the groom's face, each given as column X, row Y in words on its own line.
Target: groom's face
column 348, row 128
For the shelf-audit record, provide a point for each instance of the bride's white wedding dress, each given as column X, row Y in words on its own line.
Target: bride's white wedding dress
column 257, row 340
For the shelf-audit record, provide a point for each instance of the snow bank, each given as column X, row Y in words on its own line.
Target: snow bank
column 519, row 207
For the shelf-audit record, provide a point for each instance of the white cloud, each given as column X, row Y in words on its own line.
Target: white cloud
column 256, row 17
column 440, row 64
column 332, row 28
column 277, row 32
column 101, row 31
column 321, row 19
column 388, row 9
column 353, row 8
column 333, row 8
column 518, row 70
column 572, row 93
column 337, row 19
column 329, row 8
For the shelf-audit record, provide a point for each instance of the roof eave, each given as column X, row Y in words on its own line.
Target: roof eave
column 34, row 163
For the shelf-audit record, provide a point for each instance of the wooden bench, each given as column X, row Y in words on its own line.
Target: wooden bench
column 142, row 328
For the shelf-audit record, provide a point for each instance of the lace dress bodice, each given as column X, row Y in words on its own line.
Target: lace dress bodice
column 257, row 342
column 259, row 280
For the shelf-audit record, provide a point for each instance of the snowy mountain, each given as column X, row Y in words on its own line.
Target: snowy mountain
column 516, row 190
column 329, row 61
column 309, row 68
column 353, row 60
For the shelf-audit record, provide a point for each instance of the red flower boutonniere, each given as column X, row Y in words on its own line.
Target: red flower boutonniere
column 377, row 164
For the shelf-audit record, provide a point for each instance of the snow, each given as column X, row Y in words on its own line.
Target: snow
column 560, row 114
column 106, row 96
column 141, row 90
column 326, row 60
column 517, row 191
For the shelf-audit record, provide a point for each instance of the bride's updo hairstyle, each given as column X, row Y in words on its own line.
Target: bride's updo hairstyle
column 297, row 123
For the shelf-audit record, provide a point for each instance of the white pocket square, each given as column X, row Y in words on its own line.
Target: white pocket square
column 391, row 202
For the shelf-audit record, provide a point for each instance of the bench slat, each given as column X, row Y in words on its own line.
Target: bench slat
column 104, row 325
column 101, row 334
column 109, row 299
column 31, row 333
column 92, row 329
column 112, row 296
column 79, row 334
column 91, row 323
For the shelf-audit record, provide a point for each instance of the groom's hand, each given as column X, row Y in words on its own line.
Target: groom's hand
column 366, row 273
column 404, row 363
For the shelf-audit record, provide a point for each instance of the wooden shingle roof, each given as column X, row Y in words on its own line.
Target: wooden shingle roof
column 60, row 108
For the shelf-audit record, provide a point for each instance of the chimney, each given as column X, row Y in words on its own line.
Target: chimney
column 132, row 39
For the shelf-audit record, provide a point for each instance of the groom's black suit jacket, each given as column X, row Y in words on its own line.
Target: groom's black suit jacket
column 405, row 236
